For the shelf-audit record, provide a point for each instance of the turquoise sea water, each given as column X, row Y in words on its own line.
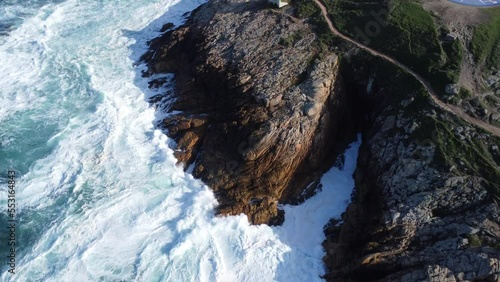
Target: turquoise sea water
column 98, row 194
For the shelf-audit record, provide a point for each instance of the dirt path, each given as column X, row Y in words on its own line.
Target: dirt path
column 447, row 107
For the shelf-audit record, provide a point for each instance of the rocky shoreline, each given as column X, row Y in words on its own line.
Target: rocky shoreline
column 426, row 201
column 262, row 111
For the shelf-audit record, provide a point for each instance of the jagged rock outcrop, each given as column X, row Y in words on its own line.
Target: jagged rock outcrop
column 426, row 205
column 261, row 107
column 261, row 111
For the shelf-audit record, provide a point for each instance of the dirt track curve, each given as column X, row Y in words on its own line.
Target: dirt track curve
column 447, row 107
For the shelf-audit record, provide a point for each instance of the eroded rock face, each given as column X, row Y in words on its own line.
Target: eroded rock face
column 426, row 201
column 262, row 109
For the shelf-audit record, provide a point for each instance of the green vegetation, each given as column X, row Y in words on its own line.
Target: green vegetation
column 485, row 44
column 474, row 241
column 392, row 79
column 308, row 9
column 464, row 94
column 409, row 34
column 290, row 40
column 449, row 71
column 405, row 30
column 494, row 245
column 399, row 28
column 471, row 155
column 468, row 154
column 305, row 8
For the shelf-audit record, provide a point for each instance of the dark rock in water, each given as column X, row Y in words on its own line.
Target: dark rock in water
column 166, row 27
column 242, row 95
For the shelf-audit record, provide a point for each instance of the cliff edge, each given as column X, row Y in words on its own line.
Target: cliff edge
column 260, row 109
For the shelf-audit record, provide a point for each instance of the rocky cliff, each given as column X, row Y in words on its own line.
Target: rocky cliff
column 427, row 189
column 261, row 110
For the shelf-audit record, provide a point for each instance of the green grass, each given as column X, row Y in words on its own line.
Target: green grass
column 410, row 34
column 393, row 80
column 485, row 44
column 475, row 241
column 412, row 37
column 449, row 70
column 464, row 94
column 305, row 8
column 292, row 39
column 472, row 155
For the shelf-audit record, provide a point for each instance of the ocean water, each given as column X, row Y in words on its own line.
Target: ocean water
column 98, row 194
column 477, row 3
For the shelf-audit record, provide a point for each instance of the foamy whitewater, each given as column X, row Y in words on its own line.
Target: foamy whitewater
column 98, row 192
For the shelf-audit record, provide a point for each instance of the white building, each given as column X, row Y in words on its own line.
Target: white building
column 279, row 3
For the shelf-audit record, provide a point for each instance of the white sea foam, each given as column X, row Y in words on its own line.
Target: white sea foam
column 107, row 202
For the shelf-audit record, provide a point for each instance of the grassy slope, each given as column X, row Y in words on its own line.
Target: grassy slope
column 411, row 35
column 470, row 155
column 413, row 30
column 486, row 41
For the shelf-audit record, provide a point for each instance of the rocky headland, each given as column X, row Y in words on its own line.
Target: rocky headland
column 261, row 109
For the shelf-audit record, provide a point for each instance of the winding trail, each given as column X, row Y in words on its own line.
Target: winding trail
column 447, row 107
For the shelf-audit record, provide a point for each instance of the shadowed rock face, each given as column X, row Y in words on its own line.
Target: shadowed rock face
column 262, row 111
column 425, row 206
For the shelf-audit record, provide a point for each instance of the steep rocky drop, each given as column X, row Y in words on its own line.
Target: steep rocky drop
column 260, row 109
column 426, row 201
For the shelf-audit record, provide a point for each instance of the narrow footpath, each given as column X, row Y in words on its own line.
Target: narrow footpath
column 447, row 107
